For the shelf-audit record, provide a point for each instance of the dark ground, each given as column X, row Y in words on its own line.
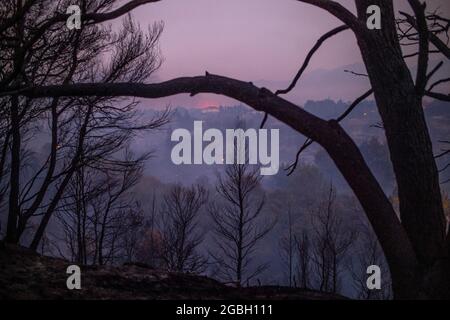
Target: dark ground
column 27, row 275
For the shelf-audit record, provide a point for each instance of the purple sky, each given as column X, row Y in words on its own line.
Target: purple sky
column 254, row 40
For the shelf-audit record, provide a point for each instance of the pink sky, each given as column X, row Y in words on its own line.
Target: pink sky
column 249, row 39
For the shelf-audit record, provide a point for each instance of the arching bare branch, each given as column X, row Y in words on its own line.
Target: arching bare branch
column 438, row 43
column 340, row 12
column 316, row 47
column 294, row 165
column 354, row 105
column 309, row 142
column 435, row 84
column 438, row 96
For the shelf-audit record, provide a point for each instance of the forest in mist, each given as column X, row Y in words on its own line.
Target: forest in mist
column 303, row 230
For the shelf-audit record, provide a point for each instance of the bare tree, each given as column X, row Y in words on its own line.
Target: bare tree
column 100, row 218
column 133, row 230
column 180, row 230
column 45, row 52
column 332, row 241
column 237, row 223
column 150, row 247
column 304, row 260
column 367, row 253
column 73, row 216
column 114, row 212
column 287, row 249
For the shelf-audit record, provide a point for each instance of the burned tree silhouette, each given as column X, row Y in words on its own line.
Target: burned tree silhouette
column 181, row 233
column 288, row 250
column 332, row 241
column 99, row 215
column 367, row 253
column 322, row 246
column 237, row 223
column 82, row 132
column 150, row 247
column 304, row 268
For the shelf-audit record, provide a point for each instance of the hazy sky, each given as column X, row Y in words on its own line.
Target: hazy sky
column 249, row 39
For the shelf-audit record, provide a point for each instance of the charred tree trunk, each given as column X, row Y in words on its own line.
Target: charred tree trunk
column 76, row 160
column 399, row 103
column 14, row 191
column 12, row 232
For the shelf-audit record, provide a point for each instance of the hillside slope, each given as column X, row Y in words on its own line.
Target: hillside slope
column 27, row 275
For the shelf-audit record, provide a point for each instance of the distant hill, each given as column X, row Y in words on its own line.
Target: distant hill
column 438, row 109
